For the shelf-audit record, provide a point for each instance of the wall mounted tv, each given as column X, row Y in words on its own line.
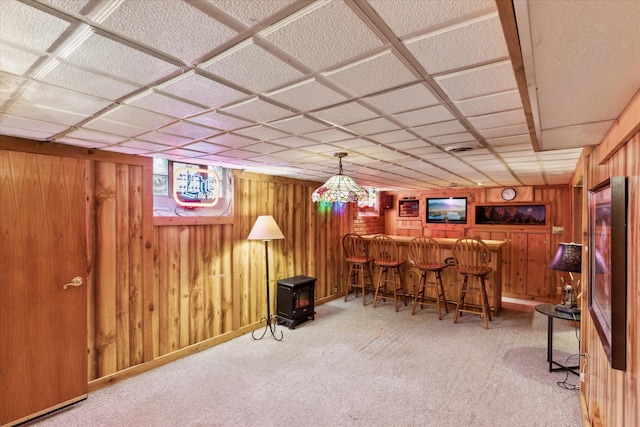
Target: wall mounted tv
column 451, row 210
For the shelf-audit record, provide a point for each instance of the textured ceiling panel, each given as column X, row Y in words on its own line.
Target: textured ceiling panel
column 279, row 86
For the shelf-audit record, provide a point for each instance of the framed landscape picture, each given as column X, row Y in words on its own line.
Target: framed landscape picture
column 511, row 214
column 607, row 266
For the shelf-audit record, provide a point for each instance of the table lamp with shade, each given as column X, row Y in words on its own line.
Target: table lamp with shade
column 568, row 258
column 266, row 228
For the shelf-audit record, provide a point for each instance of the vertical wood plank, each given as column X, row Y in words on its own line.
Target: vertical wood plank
column 123, row 296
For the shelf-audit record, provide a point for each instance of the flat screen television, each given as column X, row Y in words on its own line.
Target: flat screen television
column 451, row 210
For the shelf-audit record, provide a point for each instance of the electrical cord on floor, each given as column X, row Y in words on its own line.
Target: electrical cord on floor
column 565, row 383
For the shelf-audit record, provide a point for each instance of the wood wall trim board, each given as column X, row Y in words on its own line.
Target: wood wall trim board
column 627, row 125
column 163, row 221
column 54, row 149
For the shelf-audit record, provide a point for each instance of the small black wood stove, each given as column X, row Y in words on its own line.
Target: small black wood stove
column 296, row 300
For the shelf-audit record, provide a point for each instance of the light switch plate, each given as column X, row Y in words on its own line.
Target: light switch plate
column 557, row 230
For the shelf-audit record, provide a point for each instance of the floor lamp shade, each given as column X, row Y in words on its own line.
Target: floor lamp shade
column 265, row 228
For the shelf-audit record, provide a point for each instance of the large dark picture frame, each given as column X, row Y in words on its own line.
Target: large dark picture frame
column 608, row 266
column 511, row 214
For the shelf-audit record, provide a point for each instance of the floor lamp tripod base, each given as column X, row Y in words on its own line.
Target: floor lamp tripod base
column 272, row 321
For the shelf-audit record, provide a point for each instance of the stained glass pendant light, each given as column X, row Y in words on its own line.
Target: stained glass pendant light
column 339, row 188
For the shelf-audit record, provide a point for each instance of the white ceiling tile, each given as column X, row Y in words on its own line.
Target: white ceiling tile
column 190, row 130
column 261, row 132
column 294, row 142
column 257, row 110
column 463, row 45
column 206, row 147
column 144, row 145
column 164, row 138
column 67, row 76
column 251, row 13
column 89, row 135
column 521, row 129
column 16, row 61
column 110, row 126
column 231, row 140
column 37, row 112
column 298, row 125
column 239, row 66
column 501, row 119
column 196, row 88
column 408, row 145
column 509, row 100
column 160, row 103
column 137, row 117
column 393, row 136
column 384, row 71
column 345, row 113
column 419, row 16
column 575, row 136
column 371, row 127
column 439, row 113
column 328, row 34
column 453, row 138
column 479, row 81
column 181, row 152
column 43, row 29
column 403, row 99
column 264, row 148
column 176, row 27
column 329, row 135
column 218, row 120
column 307, row 96
column 116, row 59
column 81, row 142
column 438, row 129
column 510, row 140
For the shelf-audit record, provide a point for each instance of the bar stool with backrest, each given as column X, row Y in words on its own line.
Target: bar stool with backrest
column 356, row 253
column 425, row 255
column 472, row 257
column 386, row 257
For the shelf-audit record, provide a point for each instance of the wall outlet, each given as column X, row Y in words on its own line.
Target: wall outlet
column 335, row 289
column 557, row 230
column 581, row 377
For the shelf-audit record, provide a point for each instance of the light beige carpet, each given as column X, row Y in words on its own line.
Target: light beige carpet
column 356, row 366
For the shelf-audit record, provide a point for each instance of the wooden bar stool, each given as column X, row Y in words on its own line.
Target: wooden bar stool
column 357, row 255
column 385, row 256
column 425, row 255
column 472, row 256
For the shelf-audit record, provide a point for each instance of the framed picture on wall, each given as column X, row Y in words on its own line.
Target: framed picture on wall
column 607, row 266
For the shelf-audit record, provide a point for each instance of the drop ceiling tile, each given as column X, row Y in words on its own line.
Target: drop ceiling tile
column 74, row 6
column 89, row 135
column 322, row 148
column 164, row 138
column 510, row 140
column 92, row 84
column 239, row 66
column 81, row 142
column 44, row 128
column 517, row 148
column 264, row 148
column 190, row 130
column 444, row 128
column 23, row 133
column 307, row 96
column 294, row 142
column 196, row 88
column 479, row 81
column 403, row 99
column 503, row 101
column 353, row 144
column 374, row 126
column 173, row 28
column 9, row 84
column 521, row 129
column 298, row 125
column 217, row 120
column 261, row 132
column 392, row 137
column 251, row 13
column 116, row 128
column 116, row 59
column 66, row 100
column 501, row 119
column 384, row 71
column 43, row 29
column 408, row 145
column 137, row 117
column 417, row 16
column 425, row 116
column 296, row 156
column 473, row 42
column 206, row 147
column 124, row 150
column 16, row 61
column 181, row 152
column 37, row 112
column 329, row 135
column 161, row 103
column 144, row 145
column 257, row 110
column 453, row 138
column 328, row 34
column 350, row 112
column 424, row 150
column 231, row 140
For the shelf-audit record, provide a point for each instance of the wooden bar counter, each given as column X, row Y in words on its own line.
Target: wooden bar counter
column 452, row 281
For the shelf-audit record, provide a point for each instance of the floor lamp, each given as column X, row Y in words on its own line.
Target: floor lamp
column 266, row 229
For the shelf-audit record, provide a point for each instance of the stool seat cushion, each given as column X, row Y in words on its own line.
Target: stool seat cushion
column 474, row 271
column 390, row 262
column 359, row 260
column 431, row 266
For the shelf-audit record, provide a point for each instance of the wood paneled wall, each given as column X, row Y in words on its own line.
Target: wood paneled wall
column 612, row 393
column 157, row 293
